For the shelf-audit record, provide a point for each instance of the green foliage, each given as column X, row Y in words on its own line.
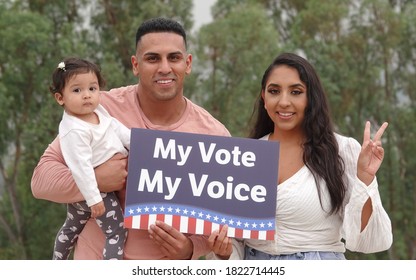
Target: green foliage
column 113, row 32
column 25, row 46
column 364, row 72
column 230, row 50
column 36, row 35
column 365, row 54
column 364, row 51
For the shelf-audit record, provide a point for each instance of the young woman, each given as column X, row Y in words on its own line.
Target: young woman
column 327, row 192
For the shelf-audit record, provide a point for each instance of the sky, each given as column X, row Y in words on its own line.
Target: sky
column 202, row 12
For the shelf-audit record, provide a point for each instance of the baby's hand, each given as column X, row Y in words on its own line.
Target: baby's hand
column 97, row 209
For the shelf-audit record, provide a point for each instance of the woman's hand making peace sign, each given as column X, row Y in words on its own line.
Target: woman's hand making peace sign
column 371, row 155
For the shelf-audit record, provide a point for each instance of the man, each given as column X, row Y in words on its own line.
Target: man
column 161, row 63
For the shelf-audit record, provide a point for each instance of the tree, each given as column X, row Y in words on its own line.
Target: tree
column 23, row 57
column 359, row 54
column 364, row 51
column 230, row 62
column 36, row 35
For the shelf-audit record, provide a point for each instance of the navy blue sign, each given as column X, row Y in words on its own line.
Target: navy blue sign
column 197, row 183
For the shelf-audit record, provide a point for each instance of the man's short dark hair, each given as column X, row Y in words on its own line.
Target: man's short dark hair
column 160, row 24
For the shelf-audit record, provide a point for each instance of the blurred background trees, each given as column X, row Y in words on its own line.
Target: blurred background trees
column 364, row 51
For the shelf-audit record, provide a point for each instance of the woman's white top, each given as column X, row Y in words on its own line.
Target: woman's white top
column 302, row 225
column 85, row 146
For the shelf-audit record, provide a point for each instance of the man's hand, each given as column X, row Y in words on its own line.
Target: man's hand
column 112, row 175
column 173, row 243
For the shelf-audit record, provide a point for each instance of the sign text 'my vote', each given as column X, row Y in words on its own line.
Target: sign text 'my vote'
column 232, row 177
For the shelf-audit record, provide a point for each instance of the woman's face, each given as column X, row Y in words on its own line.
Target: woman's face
column 285, row 99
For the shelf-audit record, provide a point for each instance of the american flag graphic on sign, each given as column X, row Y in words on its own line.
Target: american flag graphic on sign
column 188, row 219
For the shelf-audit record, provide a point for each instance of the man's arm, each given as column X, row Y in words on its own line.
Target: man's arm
column 52, row 180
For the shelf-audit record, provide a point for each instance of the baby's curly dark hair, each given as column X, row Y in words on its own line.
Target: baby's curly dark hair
column 73, row 66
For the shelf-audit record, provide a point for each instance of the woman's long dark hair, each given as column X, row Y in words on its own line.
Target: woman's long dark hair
column 321, row 152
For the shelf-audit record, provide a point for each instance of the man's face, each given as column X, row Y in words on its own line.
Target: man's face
column 161, row 63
